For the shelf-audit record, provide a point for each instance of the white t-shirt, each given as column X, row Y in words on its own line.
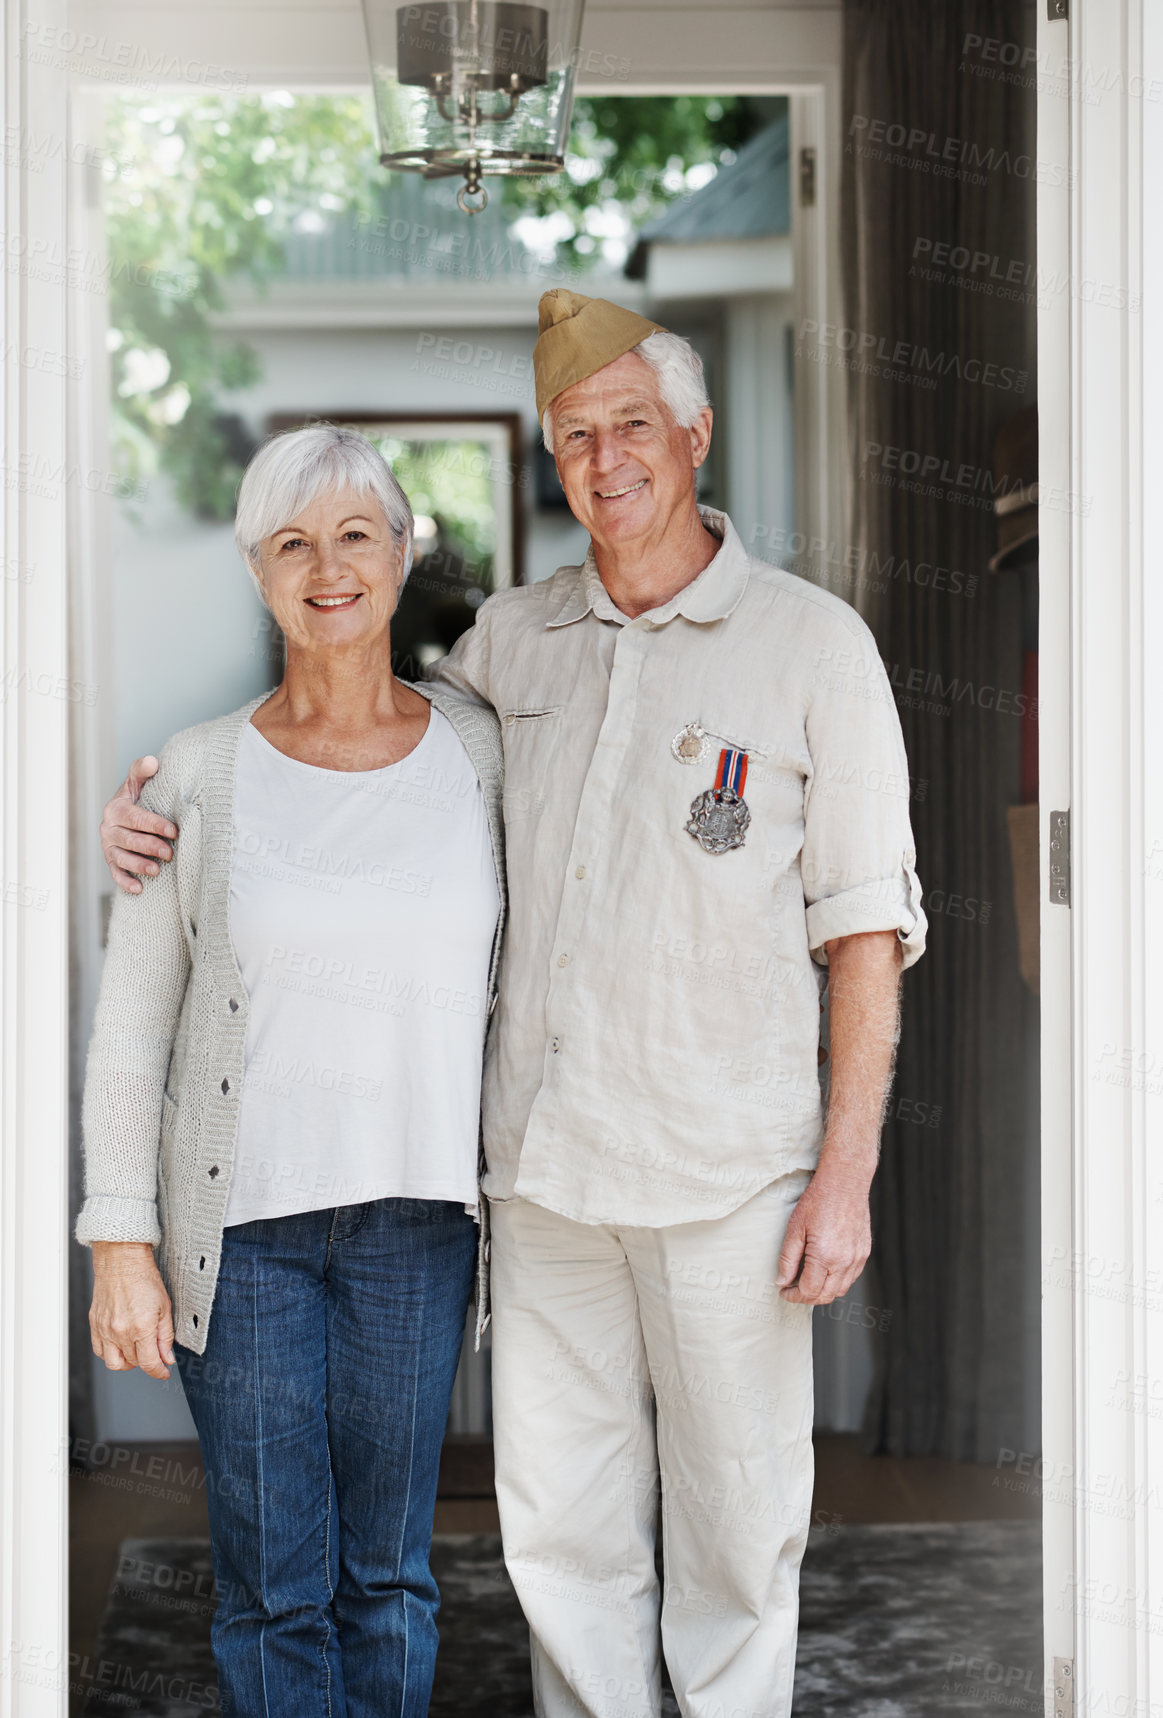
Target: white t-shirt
column 362, row 909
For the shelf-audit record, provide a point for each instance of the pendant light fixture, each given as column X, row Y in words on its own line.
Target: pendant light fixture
column 473, row 87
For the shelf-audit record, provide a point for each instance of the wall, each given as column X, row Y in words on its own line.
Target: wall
column 651, row 44
column 758, row 422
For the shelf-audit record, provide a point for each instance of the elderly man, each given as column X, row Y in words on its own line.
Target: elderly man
column 706, row 811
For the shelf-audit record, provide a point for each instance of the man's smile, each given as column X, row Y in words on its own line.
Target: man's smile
column 613, row 494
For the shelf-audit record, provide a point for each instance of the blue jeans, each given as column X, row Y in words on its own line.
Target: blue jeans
column 321, row 1403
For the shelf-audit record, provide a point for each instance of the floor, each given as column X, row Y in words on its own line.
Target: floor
column 944, row 1557
column 896, row 1621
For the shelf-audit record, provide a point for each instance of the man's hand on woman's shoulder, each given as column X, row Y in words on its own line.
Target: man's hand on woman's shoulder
column 132, row 838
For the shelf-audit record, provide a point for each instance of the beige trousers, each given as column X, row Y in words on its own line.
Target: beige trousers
column 627, row 1359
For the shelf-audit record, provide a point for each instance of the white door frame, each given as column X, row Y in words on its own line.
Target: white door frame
column 1100, row 160
column 36, row 696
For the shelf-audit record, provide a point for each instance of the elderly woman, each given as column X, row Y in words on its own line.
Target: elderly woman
column 282, row 1101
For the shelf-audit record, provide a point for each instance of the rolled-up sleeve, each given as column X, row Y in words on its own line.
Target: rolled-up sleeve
column 858, row 861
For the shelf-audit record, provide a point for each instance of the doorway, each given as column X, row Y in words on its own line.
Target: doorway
column 898, row 1475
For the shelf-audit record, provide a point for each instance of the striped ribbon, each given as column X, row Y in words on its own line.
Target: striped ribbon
column 732, row 771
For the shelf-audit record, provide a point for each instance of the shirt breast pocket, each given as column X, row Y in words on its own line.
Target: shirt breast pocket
column 531, row 736
column 736, row 737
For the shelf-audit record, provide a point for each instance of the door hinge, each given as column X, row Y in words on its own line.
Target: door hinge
column 807, row 178
column 1056, row 9
column 1063, row 1688
column 1060, row 858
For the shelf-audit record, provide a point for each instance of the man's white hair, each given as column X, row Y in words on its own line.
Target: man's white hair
column 295, row 468
column 680, row 380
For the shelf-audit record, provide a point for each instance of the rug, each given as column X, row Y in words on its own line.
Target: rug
column 895, row 1622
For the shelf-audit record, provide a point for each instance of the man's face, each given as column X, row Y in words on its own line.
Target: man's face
column 627, row 468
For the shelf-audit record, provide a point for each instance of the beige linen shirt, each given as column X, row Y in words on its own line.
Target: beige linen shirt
column 653, row 1055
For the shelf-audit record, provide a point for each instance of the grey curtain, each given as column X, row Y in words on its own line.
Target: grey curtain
column 939, row 151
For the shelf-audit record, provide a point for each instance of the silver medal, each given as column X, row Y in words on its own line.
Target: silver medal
column 719, row 820
column 690, row 744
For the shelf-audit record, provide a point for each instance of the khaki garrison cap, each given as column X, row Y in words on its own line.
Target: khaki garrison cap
column 577, row 336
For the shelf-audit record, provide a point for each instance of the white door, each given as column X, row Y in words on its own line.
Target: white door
column 1054, row 776
column 1100, row 269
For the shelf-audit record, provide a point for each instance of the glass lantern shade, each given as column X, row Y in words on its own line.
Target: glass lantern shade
column 473, row 86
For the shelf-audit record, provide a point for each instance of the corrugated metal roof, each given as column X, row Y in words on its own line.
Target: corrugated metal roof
column 748, row 199
column 417, row 231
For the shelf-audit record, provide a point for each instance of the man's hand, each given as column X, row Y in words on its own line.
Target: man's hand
column 130, row 1321
column 828, row 1240
column 829, row 1234
column 132, row 839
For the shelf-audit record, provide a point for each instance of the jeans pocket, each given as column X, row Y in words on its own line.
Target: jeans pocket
column 422, row 1211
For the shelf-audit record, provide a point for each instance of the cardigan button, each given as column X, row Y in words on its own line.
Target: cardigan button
column 195, row 1321
column 213, row 1172
column 202, row 1263
column 225, row 1087
column 233, row 1006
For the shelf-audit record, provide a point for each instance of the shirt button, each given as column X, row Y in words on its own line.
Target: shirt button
column 563, row 960
column 580, row 872
column 509, row 720
column 555, row 1045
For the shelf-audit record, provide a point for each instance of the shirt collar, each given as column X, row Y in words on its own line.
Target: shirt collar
column 712, row 596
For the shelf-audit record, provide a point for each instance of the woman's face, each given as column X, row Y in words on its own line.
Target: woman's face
column 332, row 574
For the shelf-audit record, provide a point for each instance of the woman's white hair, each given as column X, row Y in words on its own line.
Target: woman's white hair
column 680, row 380
column 296, row 467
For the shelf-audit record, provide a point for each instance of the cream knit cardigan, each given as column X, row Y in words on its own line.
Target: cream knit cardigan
column 165, row 1064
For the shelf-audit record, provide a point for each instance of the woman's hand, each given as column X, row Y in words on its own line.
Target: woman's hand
column 130, row 1321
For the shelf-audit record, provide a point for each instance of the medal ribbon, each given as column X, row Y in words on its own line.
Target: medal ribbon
column 732, row 770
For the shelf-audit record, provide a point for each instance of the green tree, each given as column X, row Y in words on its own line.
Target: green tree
column 633, row 156
column 200, row 191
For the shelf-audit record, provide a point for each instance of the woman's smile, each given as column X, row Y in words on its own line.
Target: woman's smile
column 345, row 600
